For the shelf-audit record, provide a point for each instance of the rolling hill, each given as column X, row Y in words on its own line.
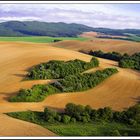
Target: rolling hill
column 106, row 45
column 60, row 29
column 120, row 91
column 36, row 28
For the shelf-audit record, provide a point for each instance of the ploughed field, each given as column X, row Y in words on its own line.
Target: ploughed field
column 119, row 91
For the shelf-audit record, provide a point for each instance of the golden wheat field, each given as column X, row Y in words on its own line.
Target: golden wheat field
column 94, row 43
column 119, row 91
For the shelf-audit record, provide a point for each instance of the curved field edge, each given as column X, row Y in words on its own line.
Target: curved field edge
column 71, row 83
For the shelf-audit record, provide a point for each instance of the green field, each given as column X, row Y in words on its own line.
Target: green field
column 96, row 128
column 40, row 39
column 90, row 129
column 134, row 38
column 129, row 37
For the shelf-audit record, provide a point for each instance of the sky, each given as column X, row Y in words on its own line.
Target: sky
column 118, row 16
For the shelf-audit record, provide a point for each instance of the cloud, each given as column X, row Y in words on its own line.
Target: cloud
column 3, row 19
column 51, row 13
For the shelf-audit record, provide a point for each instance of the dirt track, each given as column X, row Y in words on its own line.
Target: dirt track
column 119, row 91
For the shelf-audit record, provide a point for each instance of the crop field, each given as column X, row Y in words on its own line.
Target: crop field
column 69, row 71
column 39, row 39
column 134, row 38
column 106, row 45
column 119, row 91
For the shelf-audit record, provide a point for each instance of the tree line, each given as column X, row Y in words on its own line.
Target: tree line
column 124, row 60
column 132, row 61
column 75, row 114
column 80, row 113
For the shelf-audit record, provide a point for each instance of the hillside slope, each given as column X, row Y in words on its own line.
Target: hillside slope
column 58, row 29
column 106, row 45
column 36, row 28
column 119, row 91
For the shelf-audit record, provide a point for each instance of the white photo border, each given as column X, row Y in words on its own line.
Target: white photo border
column 69, row 2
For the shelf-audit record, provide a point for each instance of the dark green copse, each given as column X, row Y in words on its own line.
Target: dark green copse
column 36, row 94
column 59, row 69
column 125, row 60
column 109, row 55
column 50, row 115
column 81, row 82
column 132, row 61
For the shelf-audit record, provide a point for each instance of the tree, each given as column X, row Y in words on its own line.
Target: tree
column 66, row 119
column 105, row 113
column 88, row 109
column 118, row 116
column 94, row 115
column 84, row 119
column 132, row 122
column 115, row 133
column 58, row 118
column 70, row 109
column 49, row 114
column 56, row 40
column 73, row 120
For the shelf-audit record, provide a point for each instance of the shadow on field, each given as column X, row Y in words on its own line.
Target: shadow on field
column 20, row 75
column 35, row 65
column 23, row 76
column 137, row 99
column 116, row 65
column 8, row 95
column 55, row 108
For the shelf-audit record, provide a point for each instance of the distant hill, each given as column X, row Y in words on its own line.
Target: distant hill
column 35, row 28
column 60, row 29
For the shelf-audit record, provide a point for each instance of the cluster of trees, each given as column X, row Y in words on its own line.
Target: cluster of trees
column 125, row 60
column 78, row 113
column 59, row 69
column 71, row 83
column 57, row 40
column 35, row 94
column 115, row 123
column 81, row 82
column 132, row 61
column 109, row 55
